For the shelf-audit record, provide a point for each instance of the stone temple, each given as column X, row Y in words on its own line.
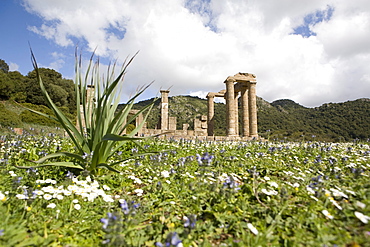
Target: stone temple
column 241, row 85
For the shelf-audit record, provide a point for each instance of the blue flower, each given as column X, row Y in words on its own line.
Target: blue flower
column 190, row 221
column 174, row 239
column 128, row 208
column 206, row 159
column 70, row 175
column 109, row 221
column 34, row 170
column 135, row 205
column 171, row 240
column 105, row 222
column 18, row 180
column 124, row 207
column 231, row 183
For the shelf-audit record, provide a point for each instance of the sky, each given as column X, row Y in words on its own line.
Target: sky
column 309, row 51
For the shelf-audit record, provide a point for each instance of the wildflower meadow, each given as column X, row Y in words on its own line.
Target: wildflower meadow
column 100, row 186
column 195, row 193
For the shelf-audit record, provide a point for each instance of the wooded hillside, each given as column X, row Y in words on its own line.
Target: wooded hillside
column 281, row 119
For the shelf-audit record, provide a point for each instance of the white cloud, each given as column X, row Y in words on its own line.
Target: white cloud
column 13, row 67
column 58, row 61
column 194, row 45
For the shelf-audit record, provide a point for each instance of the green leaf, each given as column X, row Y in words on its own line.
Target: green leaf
column 109, row 167
column 60, row 154
column 63, row 164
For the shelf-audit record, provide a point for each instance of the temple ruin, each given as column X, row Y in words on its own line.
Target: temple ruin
column 245, row 84
column 241, row 85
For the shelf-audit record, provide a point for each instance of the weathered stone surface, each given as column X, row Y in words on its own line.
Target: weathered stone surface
column 18, row 131
column 172, row 121
column 245, row 83
column 164, row 110
column 90, row 97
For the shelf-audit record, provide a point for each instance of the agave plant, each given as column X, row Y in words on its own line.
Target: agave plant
column 100, row 128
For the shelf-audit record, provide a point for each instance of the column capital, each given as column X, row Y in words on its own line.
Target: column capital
column 230, row 79
column 210, row 95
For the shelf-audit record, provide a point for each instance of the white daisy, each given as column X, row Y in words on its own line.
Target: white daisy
column 364, row 218
column 252, row 229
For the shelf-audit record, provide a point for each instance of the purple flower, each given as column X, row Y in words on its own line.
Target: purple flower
column 105, row 222
column 171, row 240
column 189, row 221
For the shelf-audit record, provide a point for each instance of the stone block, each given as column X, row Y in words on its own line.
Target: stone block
column 172, row 121
column 18, row 131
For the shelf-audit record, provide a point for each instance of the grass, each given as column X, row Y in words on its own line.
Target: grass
column 197, row 194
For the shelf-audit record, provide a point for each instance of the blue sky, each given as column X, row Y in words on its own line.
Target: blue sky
column 17, row 40
column 310, row 51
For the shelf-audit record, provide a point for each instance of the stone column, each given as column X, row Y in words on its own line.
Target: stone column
column 139, row 119
column 90, row 98
column 245, row 115
column 124, row 123
column 90, row 94
column 211, row 114
column 236, row 113
column 252, row 109
column 230, row 107
column 164, row 109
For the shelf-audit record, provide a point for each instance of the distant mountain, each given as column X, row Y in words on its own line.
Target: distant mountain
column 286, row 104
column 281, row 119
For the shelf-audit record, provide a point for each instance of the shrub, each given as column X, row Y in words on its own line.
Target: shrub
column 34, row 118
column 9, row 118
column 31, row 117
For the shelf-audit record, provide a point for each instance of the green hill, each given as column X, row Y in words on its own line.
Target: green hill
column 280, row 120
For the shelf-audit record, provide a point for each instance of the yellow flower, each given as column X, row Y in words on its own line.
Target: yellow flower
column 2, row 197
column 170, row 225
column 28, row 209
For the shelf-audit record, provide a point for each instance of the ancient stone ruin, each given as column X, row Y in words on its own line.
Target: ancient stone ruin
column 241, row 85
column 245, row 84
column 167, row 124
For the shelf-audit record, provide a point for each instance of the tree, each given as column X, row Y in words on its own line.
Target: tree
column 19, row 87
column 6, row 86
column 4, row 66
column 60, row 90
column 18, row 80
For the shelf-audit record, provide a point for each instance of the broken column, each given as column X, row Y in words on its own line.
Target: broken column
column 172, row 122
column 211, row 113
column 90, row 98
column 164, row 110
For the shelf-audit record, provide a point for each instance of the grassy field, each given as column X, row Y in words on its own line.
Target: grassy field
column 193, row 194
